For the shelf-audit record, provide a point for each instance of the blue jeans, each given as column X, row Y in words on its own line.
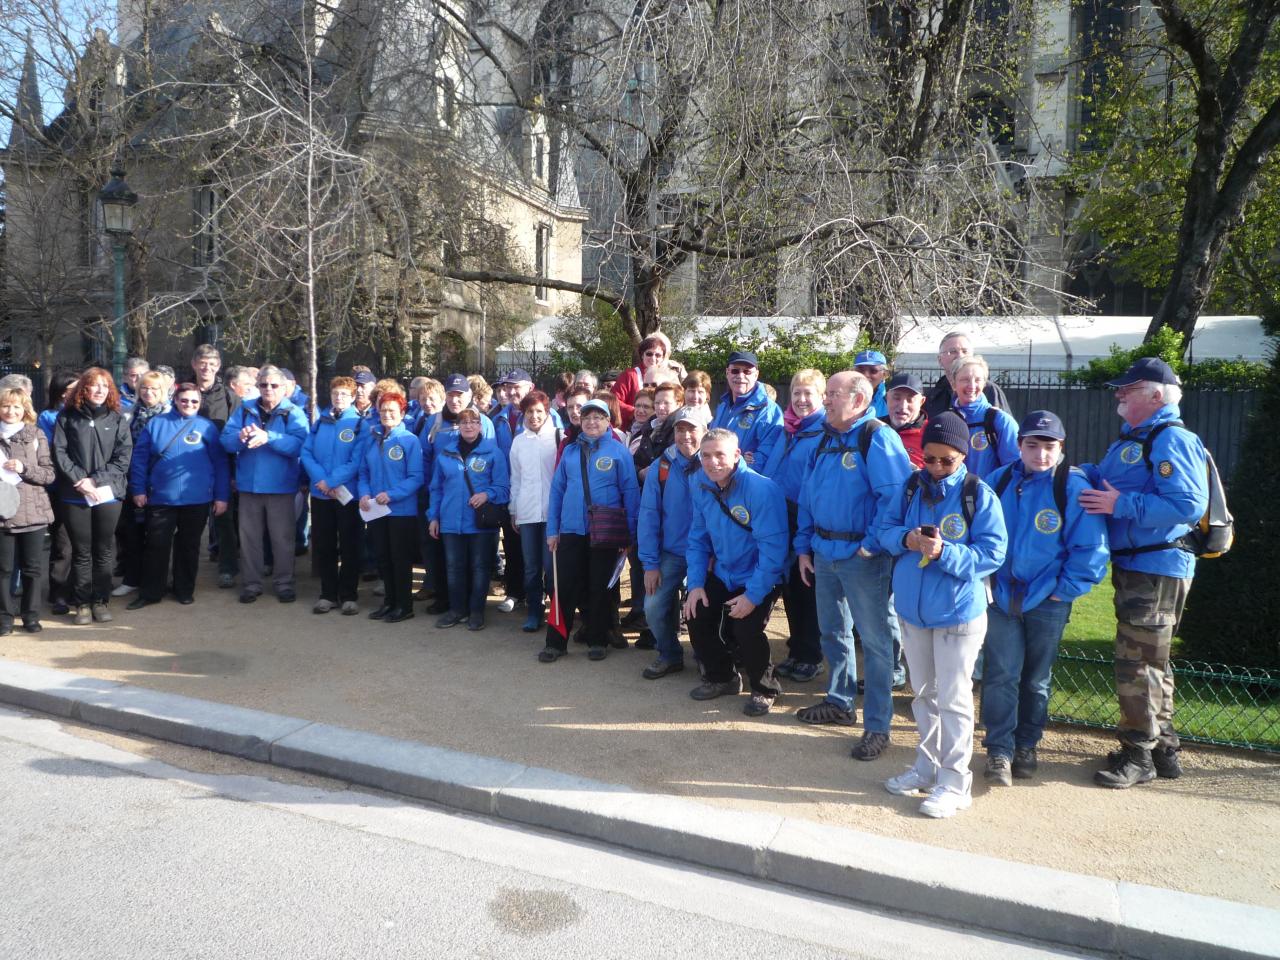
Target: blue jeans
column 661, row 609
column 863, row 583
column 899, row 665
column 537, row 564
column 1015, row 688
column 468, row 558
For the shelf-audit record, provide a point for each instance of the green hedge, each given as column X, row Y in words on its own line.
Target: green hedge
column 1237, row 374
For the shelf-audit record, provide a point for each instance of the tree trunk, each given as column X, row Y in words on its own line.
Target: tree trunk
column 1191, row 283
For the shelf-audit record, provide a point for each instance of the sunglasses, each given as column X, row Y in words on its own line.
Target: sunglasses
column 270, row 386
column 188, row 402
column 945, row 461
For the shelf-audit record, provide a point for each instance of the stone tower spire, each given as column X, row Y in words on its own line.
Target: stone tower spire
column 29, row 114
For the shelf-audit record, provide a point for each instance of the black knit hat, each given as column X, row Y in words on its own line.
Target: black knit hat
column 947, row 428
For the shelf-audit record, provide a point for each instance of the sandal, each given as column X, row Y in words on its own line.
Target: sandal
column 827, row 712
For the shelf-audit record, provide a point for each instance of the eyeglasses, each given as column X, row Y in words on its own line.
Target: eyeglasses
column 270, row 386
column 945, row 461
column 195, row 402
column 836, row 394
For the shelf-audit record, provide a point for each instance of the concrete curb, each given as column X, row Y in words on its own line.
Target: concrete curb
column 1089, row 913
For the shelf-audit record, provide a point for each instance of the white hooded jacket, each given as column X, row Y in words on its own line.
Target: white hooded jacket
column 533, row 461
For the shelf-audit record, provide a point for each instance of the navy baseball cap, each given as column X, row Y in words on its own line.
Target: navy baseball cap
column 908, row 380
column 365, row 377
column 870, row 358
column 1042, row 423
column 517, row 375
column 1151, row 369
column 743, row 356
column 456, row 383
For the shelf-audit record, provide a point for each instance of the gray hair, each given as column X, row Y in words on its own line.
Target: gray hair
column 720, row 435
column 270, row 370
column 952, row 335
column 206, row 350
column 860, row 388
column 1169, row 392
column 586, row 376
column 134, row 363
column 416, row 384
column 166, row 371
column 17, row 381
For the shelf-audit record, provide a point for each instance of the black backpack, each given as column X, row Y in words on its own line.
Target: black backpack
column 1061, row 473
column 968, row 495
column 864, row 440
column 989, row 428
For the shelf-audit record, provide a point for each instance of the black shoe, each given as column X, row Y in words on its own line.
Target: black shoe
column 870, row 746
column 550, row 654
column 380, row 613
column 286, row 596
column 475, row 622
column 646, row 640
column 450, row 619
column 137, row 603
column 1164, row 759
column 709, row 689
column 396, row 616
column 6, row 628
column 60, row 609
column 249, row 597
column 32, row 626
column 998, row 772
column 186, row 601
column 597, row 653
column 617, row 640
column 1025, row 763
column 660, row 668
column 1125, row 768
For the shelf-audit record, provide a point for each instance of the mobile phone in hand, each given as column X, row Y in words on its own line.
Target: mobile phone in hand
column 928, row 530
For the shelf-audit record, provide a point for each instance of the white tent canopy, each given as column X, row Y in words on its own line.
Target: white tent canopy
column 1007, row 343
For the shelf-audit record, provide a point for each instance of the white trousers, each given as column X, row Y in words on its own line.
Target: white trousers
column 941, row 665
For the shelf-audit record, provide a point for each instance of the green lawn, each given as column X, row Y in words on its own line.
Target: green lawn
column 1209, row 706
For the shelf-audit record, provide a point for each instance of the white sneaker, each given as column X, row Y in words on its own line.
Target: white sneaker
column 908, row 783
column 507, row 605
column 944, row 802
column 124, row 590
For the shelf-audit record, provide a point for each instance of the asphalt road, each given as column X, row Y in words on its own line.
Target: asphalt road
column 109, row 854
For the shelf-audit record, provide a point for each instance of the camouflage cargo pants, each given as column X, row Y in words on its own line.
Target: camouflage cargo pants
column 1148, row 610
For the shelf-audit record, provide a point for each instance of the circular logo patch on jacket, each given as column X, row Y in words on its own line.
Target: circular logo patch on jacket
column 953, row 526
column 192, row 439
column 1131, row 453
column 395, row 453
column 745, row 421
column 1166, row 469
column 346, row 436
column 1048, row 521
column 848, row 460
column 978, row 440
column 604, row 463
column 478, row 464
column 740, row 513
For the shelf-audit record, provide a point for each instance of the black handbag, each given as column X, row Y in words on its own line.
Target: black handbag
column 489, row 515
column 607, row 527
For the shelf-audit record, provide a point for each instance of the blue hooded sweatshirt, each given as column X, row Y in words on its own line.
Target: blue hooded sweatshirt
column 1160, row 503
column 612, row 476
column 788, row 461
column 435, row 431
column 982, row 461
column 666, row 509
column 334, row 448
column 756, row 420
column 179, row 461
column 844, row 494
column 752, row 560
column 275, row 466
column 1049, row 555
column 392, row 464
column 949, row 590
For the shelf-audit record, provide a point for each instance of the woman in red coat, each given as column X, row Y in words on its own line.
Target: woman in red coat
column 654, row 350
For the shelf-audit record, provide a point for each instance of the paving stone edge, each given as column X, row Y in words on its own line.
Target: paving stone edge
column 1040, row 903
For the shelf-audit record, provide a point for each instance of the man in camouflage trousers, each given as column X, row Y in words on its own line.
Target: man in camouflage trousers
column 1152, row 485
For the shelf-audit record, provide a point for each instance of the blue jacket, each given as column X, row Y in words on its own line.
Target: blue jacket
column 666, row 510
column 1049, row 555
column 612, row 476
column 273, row 467
column 1157, row 504
column 750, row 559
column 391, row 463
column 880, row 402
column 432, row 446
column 789, row 458
column 948, row 591
column 502, row 427
column 842, row 493
column 756, row 420
column 982, row 461
column 179, row 461
column 46, row 420
column 487, row 468
column 334, row 448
